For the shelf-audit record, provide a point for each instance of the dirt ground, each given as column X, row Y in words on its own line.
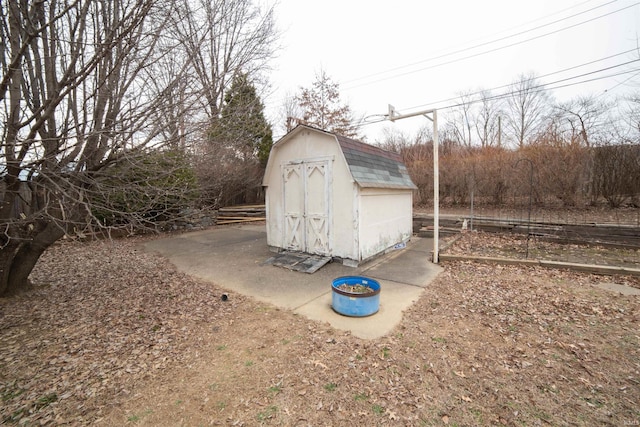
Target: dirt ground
column 110, row 335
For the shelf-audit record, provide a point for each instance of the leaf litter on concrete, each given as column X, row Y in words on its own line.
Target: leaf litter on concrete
column 111, row 335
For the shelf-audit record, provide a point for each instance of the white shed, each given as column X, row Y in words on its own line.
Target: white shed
column 334, row 196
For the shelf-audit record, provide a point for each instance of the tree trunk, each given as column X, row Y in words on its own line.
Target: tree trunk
column 19, row 257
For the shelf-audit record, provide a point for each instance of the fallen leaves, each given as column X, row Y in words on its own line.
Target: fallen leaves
column 110, row 332
column 514, row 246
column 320, row 364
column 101, row 315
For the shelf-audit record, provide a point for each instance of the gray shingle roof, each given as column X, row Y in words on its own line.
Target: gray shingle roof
column 374, row 167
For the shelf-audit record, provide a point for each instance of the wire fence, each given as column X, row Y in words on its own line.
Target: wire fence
column 587, row 216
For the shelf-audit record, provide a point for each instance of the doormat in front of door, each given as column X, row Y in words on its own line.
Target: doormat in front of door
column 298, row 261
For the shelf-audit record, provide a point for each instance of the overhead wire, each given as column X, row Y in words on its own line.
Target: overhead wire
column 545, row 86
column 444, row 55
column 474, row 55
column 619, row 84
column 501, row 47
column 532, row 89
column 479, row 92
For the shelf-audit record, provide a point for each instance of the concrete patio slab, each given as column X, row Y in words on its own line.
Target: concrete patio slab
column 234, row 259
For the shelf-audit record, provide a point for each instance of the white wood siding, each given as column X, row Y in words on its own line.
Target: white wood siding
column 314, row 150
column 385, row 220
column 314, row 205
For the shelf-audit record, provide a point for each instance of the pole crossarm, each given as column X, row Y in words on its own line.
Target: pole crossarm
column 395, row 115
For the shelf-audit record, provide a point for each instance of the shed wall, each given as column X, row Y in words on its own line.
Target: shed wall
column 385, row 219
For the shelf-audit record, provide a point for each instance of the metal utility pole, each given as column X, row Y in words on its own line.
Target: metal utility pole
column 393, row 116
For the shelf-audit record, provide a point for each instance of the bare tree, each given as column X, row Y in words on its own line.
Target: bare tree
column 78, row 106
column 487, row 121
column 394, row 139
column 584, row 119
column 321, row 107
column 528, row 103
column 461, row 120
column 222, row 39
column 629, row 128
column 290, row 110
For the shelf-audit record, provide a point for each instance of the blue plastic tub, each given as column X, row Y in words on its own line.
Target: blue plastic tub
column 355, row 304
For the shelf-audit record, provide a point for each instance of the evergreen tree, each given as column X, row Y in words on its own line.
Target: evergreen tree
column 242, row 125
column 230, row 163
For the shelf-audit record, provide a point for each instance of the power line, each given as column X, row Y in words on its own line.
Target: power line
column 481, row 44
column 488, row 90
column 503, row 47
column 545, row 86
column 619, row 84
column 537, row 77
column 452, row 61
column 534, row 89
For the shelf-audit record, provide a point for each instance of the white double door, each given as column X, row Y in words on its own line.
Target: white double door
column 306, row 206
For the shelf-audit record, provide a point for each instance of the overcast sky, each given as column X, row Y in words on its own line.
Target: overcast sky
column 414, row 54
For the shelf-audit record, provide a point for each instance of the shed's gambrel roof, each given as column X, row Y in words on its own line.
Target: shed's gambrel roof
column 374, row 167
column 370, row 166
